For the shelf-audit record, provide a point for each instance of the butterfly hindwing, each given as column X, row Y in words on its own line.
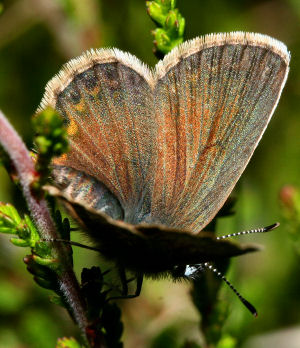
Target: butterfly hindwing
column 150, row 249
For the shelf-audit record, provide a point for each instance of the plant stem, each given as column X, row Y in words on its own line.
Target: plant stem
column 25, row 170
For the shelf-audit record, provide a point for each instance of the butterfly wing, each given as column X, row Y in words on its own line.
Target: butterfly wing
column 170, row 147
column 214, row 97
column 145, row 248
column 106, row 100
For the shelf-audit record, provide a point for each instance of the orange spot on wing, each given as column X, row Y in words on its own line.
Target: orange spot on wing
column 72, row 128
column 60, row 160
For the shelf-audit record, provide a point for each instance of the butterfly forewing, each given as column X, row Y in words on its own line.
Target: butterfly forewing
column 212, row 108
column 108, row 110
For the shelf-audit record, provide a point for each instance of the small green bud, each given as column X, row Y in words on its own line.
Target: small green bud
column 43, row 261
column 51, row 141
column 156, row 12
column 20, row 242
column 58, row 132
column 43, row 144
column 175, row 24
column 23, row 232
column 43, row 249
column 171, row 23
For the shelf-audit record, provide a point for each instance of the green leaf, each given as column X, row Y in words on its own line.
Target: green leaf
column 34, row 232
column 11, row 222
column 7, row 230
column 44, row 275
column 9, row 215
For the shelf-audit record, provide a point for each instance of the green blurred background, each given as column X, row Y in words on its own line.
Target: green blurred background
column 36, row 38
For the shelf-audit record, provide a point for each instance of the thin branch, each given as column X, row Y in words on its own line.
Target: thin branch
column 24, row 166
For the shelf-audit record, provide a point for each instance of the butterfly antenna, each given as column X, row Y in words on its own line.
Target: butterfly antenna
column 72, row 243
column 247, row 304
column 257, row 230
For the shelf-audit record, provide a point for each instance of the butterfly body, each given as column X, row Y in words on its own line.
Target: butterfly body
column 154, row 154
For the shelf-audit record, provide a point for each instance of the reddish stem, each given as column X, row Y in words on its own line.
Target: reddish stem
column 25, row 170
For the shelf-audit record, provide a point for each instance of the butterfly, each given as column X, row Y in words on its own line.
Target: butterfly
column 154, row 153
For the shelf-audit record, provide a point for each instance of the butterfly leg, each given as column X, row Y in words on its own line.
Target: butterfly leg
column 124, row 281
column 139, row 283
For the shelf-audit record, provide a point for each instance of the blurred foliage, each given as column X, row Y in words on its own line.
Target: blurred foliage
column 50, row 141
column 67, row 343
column 290, row 201
column 36, row 38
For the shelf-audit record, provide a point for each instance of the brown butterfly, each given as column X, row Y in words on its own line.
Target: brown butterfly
column 154, row 153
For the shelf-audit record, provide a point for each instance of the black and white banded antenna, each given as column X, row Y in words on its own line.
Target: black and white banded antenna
column 70, row 242
column 257, row 230
column 192, row 270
